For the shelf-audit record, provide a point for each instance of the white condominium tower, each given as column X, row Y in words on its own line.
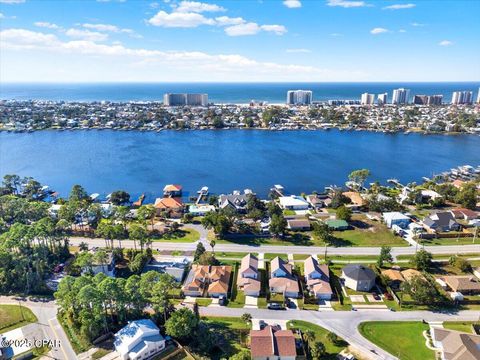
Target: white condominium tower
column 185, row 99
column 299, row 97
column 478, row 96
column 462, row 97
column 382, row 99
column 367, row 99
column 400, row 96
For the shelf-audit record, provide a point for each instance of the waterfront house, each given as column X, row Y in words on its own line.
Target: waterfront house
column 317, row 278
column 293, row 202
column 172, row 207
column 213, row 280
column 282, row 280
column 272, row 343
column 236, row 202
column 172, row 190
column 200, row 210
column 317, row 201
column 298, row 224
column 357, row 201
column 139, row 339
column 396, row 218
column 248, row 278
column 441, row 222
column 358, row 277
column 455, row 345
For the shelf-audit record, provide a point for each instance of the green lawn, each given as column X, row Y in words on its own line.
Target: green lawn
column 271, row 256
column 367, row 237
column 320, row 335
column 15, row 316
column 234, row 330
column 465, row 326
column 184, row 235
column 203, row 301
column 450, row 241
column 403, row 339
column 239, row 301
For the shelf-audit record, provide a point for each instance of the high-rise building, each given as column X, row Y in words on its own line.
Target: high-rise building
column 299, row 97
column 420, row 99
column 462, row 97
column 400, row 96
column 428, row 99
column 382, row 99
column 367, row 99
column 185, row 99
column 478, row 96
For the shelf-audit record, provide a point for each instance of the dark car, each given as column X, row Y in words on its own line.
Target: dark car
column 290, row 304
column 376, row 296
column 275, row 306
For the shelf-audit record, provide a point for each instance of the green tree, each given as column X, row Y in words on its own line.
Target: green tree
column 359, row 177
column 160, row 299
column 241, row 355
column 246, row 317
column 78, row 193
column 120, row 197
column 146, row 212
column 385, row 255
column 467, row 196
column 138, row 233
column 199, row 251
column 278, row 224
column 181, row 324
column 344, row 213
column 422, row 260
column 421, row 291
column 109, row 231
column 317, row 351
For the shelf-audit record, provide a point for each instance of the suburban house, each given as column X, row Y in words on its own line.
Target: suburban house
column 108, row 267
column 174, row 266
column 172, row 206
column 200, row 210
column 409, row 274
column 318, row 201
column 464, row 214
column 428, row 195
column 298, row 224
column 395, row 277
column 441, row 222
column 396, row 218
column 355, row 198
column 317, row 278
column 212, row 279
column 237, row 202
column 337, row 225
column 467, row 285
column 282, row 280
column 139, row 339
column 293, row 202
column 248, row 278
column 358, row 277
column 172, row 190
column 272, row 343
column 456, row 345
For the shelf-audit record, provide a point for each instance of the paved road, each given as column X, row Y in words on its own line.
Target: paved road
column 352, row 251
column 345, row 323
column 46, row 313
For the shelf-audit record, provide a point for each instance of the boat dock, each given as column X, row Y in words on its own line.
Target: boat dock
column 202, row 193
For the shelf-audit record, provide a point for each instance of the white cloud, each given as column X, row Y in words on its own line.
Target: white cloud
column 292, row 4
column 378, row 30
column 86, row 35
column 197, row 7
column 346, row 3
column 445, row 43
column 298, row 50
column 46, row 24
column 2, row 16
column 226, row 20
column 399, row 6
column 107, row 28
column 182, row 20
column 277, row 29
column 242, row 29
column 402, row 31
column 415, row 24
column 12, row 1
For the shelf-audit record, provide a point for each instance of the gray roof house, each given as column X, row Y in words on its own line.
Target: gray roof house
column 441, row 221
column 358, row 277
column 235, row 202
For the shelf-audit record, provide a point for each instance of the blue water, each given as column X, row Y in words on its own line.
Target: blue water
column 220, row 92
column 225, row 160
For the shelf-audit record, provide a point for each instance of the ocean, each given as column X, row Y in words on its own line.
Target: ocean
column 221, row 92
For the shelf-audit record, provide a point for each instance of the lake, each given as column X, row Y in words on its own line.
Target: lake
column 226, row 160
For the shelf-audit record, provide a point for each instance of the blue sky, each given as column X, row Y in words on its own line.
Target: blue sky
column 244, row 40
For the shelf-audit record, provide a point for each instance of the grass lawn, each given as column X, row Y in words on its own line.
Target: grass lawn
column 236, row 255
column 239, row 301
column 376, row 236
column 450, row 241
column 271, row 256
column 15, row 316
column 465, row 326
column 234, row 330
column 203, row 301
column 100, row 353
column 320, row 335
column 184, row 235
column 403, row 339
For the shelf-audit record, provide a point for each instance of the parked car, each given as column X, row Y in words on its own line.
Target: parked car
column 290, row 304
column 222, row 300
column 376, row 296
column 275, row 306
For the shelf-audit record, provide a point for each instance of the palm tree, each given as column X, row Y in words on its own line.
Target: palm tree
column 309, row 337
column 212, row 244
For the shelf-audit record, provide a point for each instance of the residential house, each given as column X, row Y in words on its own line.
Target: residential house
column 214, row 280
column 298, row 224
column 395, row 277
column 317, row 278
column 236, row 202
column 429, row 195
column 464, row 214
column 456, row 345
column 356, row 200
column 441, row 222
column 358, row 277
column 200, row 210
column 317, row 201
column 282, row 280
column 467, row 285
column 248, row 278
column 396, row 218
column 173, row 266
column 108, row 267
column 337, row 225
column 409, row 274
column 293, row 202
column 173, row 207
column 172, row 190
column 272, row 343
column 140, row 339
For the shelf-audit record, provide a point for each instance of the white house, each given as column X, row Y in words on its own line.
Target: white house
column 396, row 218
column 140, row 339
column 293, row 202
column 358, row 277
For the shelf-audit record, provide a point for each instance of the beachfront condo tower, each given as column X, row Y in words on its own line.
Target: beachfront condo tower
column 185, row 99
column 400, row 96
column 299, row 97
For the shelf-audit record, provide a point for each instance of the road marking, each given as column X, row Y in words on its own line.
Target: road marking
column 56, row 335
